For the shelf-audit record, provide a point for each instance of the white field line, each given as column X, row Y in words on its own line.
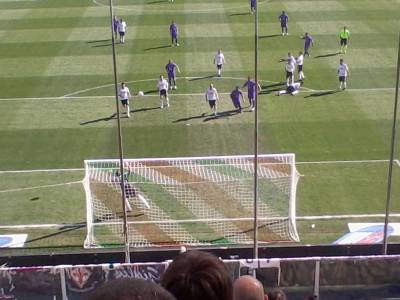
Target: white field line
column 41, row 171
column 297, row 163
column 341, row 161
column 299, row 218
column 40, row 187
column 155, row 80
column 72, row 97
column 361, row 90
column 186, row 11
column 337, row 217
column 39, row 226
column 397, row 162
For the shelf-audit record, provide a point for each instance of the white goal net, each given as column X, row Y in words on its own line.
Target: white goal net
column 191, row 201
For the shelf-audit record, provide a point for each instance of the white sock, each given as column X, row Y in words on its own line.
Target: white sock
column 167, row 101
column 128, row 111
column 128, row 205
column 344, row 84
column 219, row 72
column 162, row 103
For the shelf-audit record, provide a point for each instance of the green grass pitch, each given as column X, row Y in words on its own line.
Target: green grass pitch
column 56, row 101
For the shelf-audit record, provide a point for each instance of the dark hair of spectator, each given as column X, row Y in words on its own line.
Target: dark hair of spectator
column 277, row 294
column 197, row 275
column 130, row 289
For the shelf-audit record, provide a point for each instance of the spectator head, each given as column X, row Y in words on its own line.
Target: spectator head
column 277, row 294
column 198, row 275
column 248, row 288
column 131, row 289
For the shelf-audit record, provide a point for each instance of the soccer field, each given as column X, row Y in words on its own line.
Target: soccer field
column 57, row 106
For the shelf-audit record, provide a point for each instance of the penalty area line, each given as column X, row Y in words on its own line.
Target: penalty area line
column 341, row 161
column 41, row 171
column 397, row 162
column 336, row 217
column 41, row 226
column 40, row 187
column 298, row 218
column 297, row 163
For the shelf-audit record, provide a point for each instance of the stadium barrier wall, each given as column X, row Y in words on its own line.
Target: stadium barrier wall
column 360, row 277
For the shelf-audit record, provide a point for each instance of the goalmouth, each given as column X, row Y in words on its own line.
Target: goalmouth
column 191, row 200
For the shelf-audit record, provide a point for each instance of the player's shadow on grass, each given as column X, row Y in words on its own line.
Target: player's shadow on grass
column 327, row 55
column 100, row 43
column 189, row 118
column 269, row 91
column 159, row 47
column 144, row 109
column 269, row 36
column 113, row 116
column 158, row 1
column 240, row 14
column 270, row 88
column 222, row 114
column 267, row 86
column 62, row 230
column 200, row 78
column 150, row 92
column 324, row 93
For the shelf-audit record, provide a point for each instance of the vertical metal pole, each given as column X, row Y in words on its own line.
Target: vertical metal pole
column 255, row 236
column 393, row 144
column 120, row 147
column 317, row 278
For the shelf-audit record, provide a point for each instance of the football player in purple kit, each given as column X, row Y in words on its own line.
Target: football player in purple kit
column 170, row 68
column 252, row 89
column 253, row 6
column 308, row 42
column 236, row 97
column 173, row 30
column 115, row 26
column 284, row 19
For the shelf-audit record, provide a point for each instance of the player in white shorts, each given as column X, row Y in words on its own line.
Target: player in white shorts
column 299, row 62
column 289, row 68
column 343, row 72
column 219, row 60
column 162, row 86
column 122, row 30
column 124, row 95
column 212, row 98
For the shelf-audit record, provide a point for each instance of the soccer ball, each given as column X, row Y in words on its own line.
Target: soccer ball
column 140, row 93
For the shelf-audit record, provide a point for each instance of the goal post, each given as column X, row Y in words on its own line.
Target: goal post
column 191, row 200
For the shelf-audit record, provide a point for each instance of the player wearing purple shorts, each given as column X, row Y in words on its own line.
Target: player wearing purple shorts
column 252, row 88
column 253, row 6
column 173, row 30
column 308, row 42
column 170, row 68
column 236, row 97
column 284, row 19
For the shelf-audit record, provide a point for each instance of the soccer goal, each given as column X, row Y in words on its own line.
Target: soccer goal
column 191, row 201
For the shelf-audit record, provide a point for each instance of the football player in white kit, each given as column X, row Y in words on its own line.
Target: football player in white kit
column 162, row 86
column 219, row 60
